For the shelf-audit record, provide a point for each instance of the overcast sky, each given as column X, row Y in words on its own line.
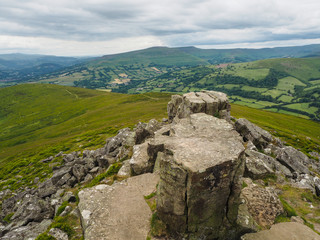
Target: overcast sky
column 98, row 27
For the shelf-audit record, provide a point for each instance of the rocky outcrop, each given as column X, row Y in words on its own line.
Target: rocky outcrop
column 200, row 168
column 209, row 102
column 118, row 211
column 284, row 231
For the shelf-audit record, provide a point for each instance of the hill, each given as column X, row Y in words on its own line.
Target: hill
column 40, row 120
column 112, row 70
column 19, row 68
column 289, row 85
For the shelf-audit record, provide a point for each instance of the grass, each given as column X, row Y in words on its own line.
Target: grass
column 39, row 120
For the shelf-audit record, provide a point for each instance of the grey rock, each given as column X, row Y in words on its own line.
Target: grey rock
column 251, row 132
column 293, row 159
column 58, row 234
column 64, row 179
column 69, row 197
column 305, row 181
column 200, row 171
column 87, row 178
column 153, row 126
column 209, row 102
column 47, row 160
column 284, row 231
column 141, row 133
column 95, row 170
column 59, row 174
column 66, row 211
column 32, row 209
column 46, row 189
column 118, row 211
column 125, row 170
column 72, row 181
column 139, row 161
column 125, row 137
column 259, row 165
column 104, row 161
column 30, row 231
column 79, row 171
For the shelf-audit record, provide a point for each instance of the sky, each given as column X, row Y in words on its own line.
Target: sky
column 100, row 27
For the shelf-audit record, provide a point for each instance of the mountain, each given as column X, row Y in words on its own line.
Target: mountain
column 59, row 176
column 19, row 68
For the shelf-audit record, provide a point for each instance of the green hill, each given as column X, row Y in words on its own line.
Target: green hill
column 40, row 120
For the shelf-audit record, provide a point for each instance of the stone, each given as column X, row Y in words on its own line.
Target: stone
column 141, row 133
column 251, row 132
column 293, row 159
column 125, row 170
column 72, row 181
column 59, row 174
column 297, row 219
column 139, row 161
column 259, row 165
column 263, row 203
column 209, row 102
column 63, row 179
column 69, row 197
column 200, row 168
column 30, row 231
column 87, row 178
column 58, row 234
column 284, row 231
column 46, row 189
column 125, row 137
column 79, row 171
column 31, row 209
column 118, row 211
column 47, row 160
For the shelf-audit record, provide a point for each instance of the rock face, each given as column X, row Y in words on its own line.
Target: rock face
column 284, row 231
column 200, row 168
column 118, row 211
column 209, row 102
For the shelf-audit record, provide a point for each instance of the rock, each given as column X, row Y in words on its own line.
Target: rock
column 87, row 178
column 200, row 169
column 141, row 133
column 46, row 189
column 209, row 102
column 70, row 157
column 79, row 171
column 72, row 181
column 315, row 155
column 293, row 159
column 297, row 219
column 251, row 132
column 284, row 231
column 49, row 159
column 304, row 181
column 125, row 137
column 259, row 165
column 104, row 161
column 66, row 211
column 263, row 203
column 139, row 161
column 118, row 211
column 95, row 170
column 69, row 197
column 31, row 209
column 316, row 181
column 36, row 180
column 59, row 174
column 125, row 170
column 58, row 234
column 30, row 231
column 153, row 126
column 63, row 180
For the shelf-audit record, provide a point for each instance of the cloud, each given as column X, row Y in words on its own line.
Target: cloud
column 167, row 22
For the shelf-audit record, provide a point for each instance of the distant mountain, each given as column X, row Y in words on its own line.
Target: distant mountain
column 216, row 56
column 112, row 70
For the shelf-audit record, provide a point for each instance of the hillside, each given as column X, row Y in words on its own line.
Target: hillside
column 288, row 85
column 117, row 69
column 40, row 120
column 46, row 170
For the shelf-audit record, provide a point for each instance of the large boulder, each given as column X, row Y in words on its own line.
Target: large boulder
column 118, row 211
column 209, row 102
column 200, row 167
column 284, row 231
column 251, row 132
column 293, row 159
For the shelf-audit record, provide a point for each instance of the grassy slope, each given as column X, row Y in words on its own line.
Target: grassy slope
column 37, row 121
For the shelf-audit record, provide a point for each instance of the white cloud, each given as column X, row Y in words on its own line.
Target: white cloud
column 81, row 26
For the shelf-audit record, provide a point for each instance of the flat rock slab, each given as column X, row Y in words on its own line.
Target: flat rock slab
column 119, row 211
column 284, row 231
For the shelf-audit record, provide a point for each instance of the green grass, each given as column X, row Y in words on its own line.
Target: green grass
column 39, row 120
